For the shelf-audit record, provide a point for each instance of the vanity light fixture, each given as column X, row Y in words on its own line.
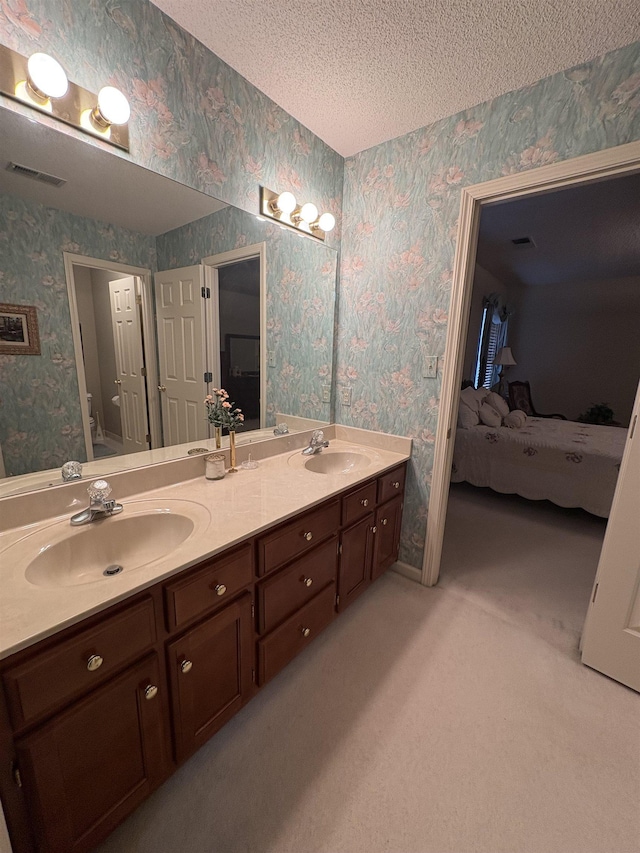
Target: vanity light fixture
column 41, row 82
column 283, row 208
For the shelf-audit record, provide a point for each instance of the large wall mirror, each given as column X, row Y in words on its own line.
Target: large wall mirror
column 147, row 294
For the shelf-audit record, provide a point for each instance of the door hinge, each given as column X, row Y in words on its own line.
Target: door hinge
column 253, row 676
column 595, row 592
column 337, row 600
column 143, row 371
column 15, row 772
column 449, row 436
column 206, row 292
column 340, row 548
column 138, row 299
column 253, row 610
column 208, row 377
column 147, row 438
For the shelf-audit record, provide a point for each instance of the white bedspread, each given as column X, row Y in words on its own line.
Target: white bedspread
column 568, row 463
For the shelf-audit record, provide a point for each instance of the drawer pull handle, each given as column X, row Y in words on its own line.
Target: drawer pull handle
column 185, row 666
column 219, row 589
column 308, row 536
column 365, row 502
column 384, row 520
column 306, row 632
column 396, row 485
column 307, row 581
column 374, row 529
column 94, row 662
column 150, row 692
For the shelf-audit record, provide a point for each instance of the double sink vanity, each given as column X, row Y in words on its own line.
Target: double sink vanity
column 127, row 642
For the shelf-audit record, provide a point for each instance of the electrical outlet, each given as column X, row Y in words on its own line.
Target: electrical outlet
column 345, row 396
column 326, row 393
column 272, row 358
column 430, row 367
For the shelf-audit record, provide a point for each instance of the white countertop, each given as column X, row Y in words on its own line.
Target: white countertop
column 235, row 508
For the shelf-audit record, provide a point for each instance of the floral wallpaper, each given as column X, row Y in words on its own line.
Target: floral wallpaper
column 194, row 118
column 40, row 416
column 301, row 289
column 401, row 203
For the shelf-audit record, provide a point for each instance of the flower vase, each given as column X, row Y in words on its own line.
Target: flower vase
column 217, row 431
column 232, row 451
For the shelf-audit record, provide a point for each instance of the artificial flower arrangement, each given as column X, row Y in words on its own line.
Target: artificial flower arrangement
column 221, row 413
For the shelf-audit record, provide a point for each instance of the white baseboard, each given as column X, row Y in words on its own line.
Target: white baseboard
column 407, row 571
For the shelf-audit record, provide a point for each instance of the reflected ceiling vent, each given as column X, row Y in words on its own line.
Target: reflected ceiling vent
column 17, row 169
column 523, row 243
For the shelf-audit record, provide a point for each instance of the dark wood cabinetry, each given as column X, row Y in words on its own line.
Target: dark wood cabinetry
column 95, row 718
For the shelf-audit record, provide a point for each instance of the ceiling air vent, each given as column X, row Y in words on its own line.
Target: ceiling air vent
column 523, row 242
column 17, row 169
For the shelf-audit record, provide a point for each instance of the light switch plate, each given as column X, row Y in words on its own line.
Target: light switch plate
column 326, row 393
column 272, row 358
column 345, row 396
column 430, row 367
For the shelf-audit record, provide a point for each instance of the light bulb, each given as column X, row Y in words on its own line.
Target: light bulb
column 309, row 212
column 113, row 107
column 327, row 222
column 286, row 202
column 46, row 76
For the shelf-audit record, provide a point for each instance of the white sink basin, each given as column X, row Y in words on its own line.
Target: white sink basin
column 146, row 531
column 336, row 462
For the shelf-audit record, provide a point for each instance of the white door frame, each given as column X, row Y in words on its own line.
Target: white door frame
column 149, row 333
column 611, row 162
column 212, row 264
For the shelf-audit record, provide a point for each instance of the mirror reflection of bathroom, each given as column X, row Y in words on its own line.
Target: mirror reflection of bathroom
column 239, row 312
column 112, row 360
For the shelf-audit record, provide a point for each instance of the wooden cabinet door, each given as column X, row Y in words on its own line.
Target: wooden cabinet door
column 211, row 674
column 91, row 765
column 354, row 573
column 387, row 536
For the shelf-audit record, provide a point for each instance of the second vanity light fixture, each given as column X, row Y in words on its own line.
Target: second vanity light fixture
column 284, row 209
column 41, row 82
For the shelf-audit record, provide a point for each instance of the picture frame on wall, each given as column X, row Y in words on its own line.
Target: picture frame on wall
column 19, row 330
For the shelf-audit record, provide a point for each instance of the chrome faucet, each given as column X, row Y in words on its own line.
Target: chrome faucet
column 316, row 443
column 99, row 506
column 71, row 471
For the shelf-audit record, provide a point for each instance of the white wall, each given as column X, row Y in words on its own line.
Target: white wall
column 578, row 343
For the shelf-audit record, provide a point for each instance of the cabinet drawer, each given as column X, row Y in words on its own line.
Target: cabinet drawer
column 297, row 536
column 391, row 484
column 282, row 594
column 77, row 665
column 358, row 503
column 215, row 583
column 282, row 645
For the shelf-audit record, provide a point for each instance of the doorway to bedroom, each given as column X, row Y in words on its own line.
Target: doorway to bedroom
column 552, row 332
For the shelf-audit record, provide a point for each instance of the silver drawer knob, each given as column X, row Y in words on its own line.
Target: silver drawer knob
column 94, row 662
column 396, row 485
column 308, row 536
column 374, row 529
column 150, row 692
column 185, row 666
column 307, row 581
column 306, row 632
column 219, row 589
column 384, row 520
column 365, row 502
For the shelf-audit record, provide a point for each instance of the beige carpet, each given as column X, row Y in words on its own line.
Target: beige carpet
column 429, row 720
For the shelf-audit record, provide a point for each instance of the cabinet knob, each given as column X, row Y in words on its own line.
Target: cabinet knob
column 94, row 662
column 308, row 536
column 307, row 581
column 306, row 632
column 365, row 502
column 374, row 529
column 219, row 589
column 150, row 691
column 185, row 666
column 385, row 520
column 396, row 485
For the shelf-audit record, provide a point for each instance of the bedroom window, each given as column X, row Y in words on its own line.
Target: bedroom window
column 493, row 335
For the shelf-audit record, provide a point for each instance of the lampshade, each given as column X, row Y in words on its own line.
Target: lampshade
column 504, row 357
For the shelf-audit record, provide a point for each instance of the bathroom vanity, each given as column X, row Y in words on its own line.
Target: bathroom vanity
column 97, row 715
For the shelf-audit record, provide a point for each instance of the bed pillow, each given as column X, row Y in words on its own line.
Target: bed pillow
column 515, row 419
column 473, row 397
column 467, row 417
column 498, row 403
column 489, row 416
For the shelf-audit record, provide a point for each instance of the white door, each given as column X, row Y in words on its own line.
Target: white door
column 181, row 350
column 611, row 639
column 127, row 340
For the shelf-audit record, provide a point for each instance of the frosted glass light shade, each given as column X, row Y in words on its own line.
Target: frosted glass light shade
column 46, row 76
column 309, row 212
column 286, row 202
column 113, row 107
column 327, row 222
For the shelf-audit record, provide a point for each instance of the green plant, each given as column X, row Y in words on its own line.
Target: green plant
column 599, row 413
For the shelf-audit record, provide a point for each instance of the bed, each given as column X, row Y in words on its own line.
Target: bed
column 570, row 464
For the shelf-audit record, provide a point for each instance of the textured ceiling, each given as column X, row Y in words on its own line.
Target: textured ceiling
column 359, row 72
column 583, row 233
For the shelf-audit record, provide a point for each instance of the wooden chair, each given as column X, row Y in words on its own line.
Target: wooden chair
column 520, row 398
